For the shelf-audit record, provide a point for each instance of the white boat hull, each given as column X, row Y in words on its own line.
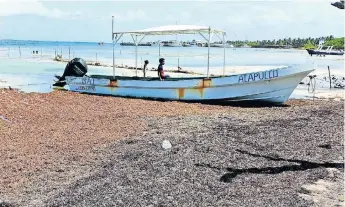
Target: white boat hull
column 172, row 45
column 221, row 45
column 273, row 86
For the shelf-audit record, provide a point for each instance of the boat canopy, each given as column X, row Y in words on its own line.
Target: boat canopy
column 174, row 29
column 205, row 32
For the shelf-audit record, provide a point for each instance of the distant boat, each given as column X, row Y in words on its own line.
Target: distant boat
column 127, row 44
column 133, row 44
column 172, row 43
column 156, row 44
column 328, row 51
column 194, row 43
column 319, row 51
column 101, row 43
column 221, row 45
column 338, row 4
column 144, row 44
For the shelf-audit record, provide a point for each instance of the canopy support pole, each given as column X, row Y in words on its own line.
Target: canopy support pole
column 141, row 39
column 159, row 49
column 219, row 36
column 203, row 36
column 208, row 54
column 136, row 51
column 224, row 54
column 112, row 34
column 115, row 40
column 136, row 55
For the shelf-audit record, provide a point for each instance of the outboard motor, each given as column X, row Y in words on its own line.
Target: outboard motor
column 76, row 67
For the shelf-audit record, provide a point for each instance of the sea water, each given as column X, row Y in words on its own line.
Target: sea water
column 21, row 67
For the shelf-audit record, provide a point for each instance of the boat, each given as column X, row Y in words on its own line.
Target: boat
column 127, row 44
column 338, row 4
column 272, row 86
column 194, row 43
column 221, row 45
column 133, row 44
column 320, row 52
column 156, row 44
column 172, row 43
column 325, row 52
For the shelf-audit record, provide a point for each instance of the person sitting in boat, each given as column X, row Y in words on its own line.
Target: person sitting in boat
column 160, row 69
column 146, row 62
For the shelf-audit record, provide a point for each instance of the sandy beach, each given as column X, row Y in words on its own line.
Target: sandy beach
column 68, row 149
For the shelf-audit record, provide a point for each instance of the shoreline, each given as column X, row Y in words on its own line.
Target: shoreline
column 125, row 69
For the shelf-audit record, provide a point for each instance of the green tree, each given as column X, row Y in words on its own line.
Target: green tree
column 309, row 45
column 337, row 43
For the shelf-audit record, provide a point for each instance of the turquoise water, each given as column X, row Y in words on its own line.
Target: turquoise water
column 187, row 56
column 30, row 73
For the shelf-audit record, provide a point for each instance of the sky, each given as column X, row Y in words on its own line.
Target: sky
column 90, row 21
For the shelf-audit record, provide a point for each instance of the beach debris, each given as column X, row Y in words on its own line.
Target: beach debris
column 58, row 58
column 166, row 144
column 338, row 82
column 3, row 118
column 326, row 146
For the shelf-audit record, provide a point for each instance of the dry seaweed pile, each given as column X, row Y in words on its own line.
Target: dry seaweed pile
column 43, row 132
column 239, row 157
column 82, row 150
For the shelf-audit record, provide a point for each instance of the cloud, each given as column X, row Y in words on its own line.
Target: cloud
column 260, row 16
column 12, row 7
column 179, row 18
column 130, row 16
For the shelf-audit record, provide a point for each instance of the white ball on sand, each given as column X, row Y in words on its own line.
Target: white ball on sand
column 166, row 144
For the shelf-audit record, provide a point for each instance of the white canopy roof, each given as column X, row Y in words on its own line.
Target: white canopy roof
column 173, row 29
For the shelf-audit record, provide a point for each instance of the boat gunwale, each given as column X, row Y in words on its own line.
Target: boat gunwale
column 110, row 77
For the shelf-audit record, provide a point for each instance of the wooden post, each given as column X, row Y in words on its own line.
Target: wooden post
column 329, row 75
column 178, row 64
column 20, row 52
